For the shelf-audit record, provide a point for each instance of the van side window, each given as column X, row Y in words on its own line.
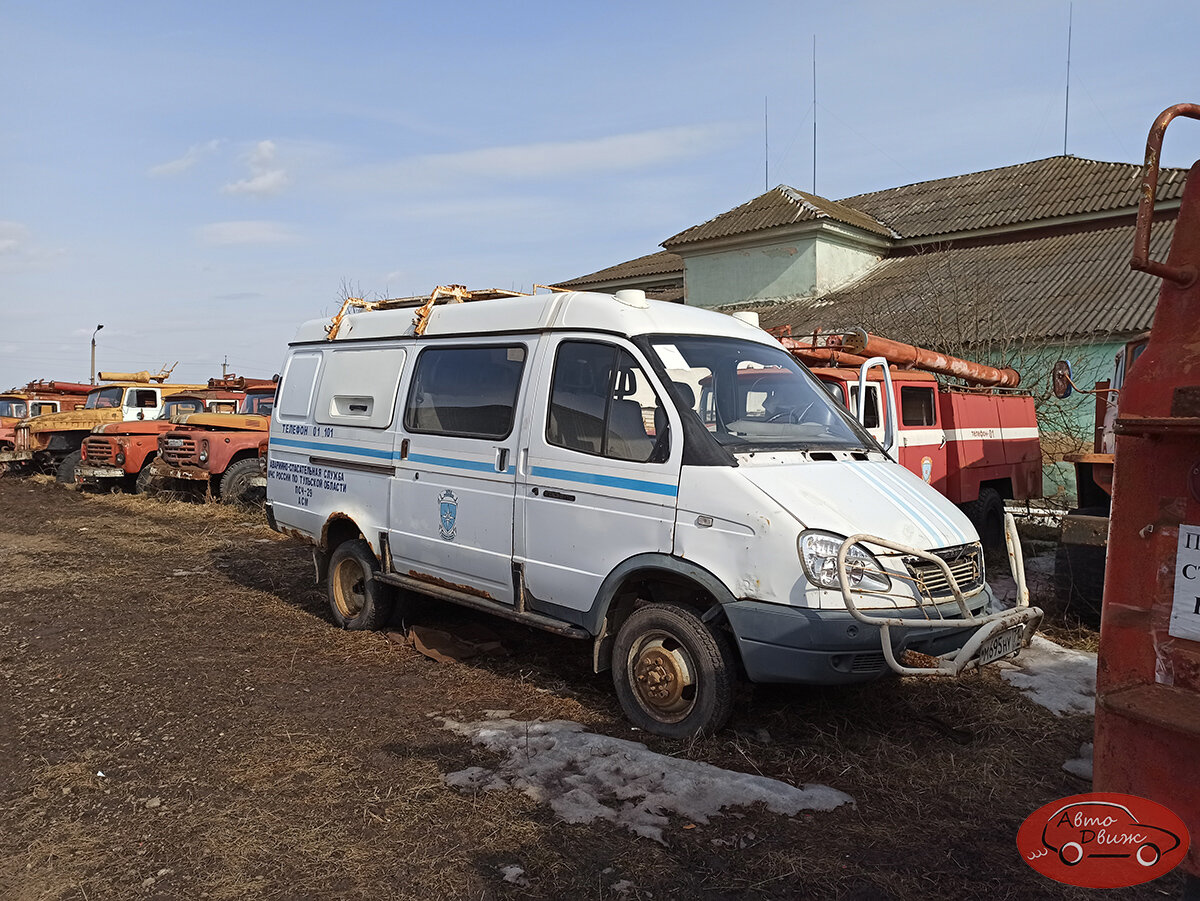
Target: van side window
column 916, row 406
column 296, row 391
column 470, row 392
column 601, row 403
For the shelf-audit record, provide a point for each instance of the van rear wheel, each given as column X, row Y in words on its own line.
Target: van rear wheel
column 357, row 599
column 673, row 674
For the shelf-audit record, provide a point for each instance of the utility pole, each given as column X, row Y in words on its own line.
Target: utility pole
column 1067, row 104
column 225, row 367
column 94, row 354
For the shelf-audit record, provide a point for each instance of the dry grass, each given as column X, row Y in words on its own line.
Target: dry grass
column 183, row 650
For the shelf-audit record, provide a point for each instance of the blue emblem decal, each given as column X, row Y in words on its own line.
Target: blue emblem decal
column 448, row 510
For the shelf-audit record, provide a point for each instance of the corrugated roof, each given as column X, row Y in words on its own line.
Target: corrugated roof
column 1069, row 285
column 661, row 263
column 780, row 206
column 994, row 198
column 1027, row 192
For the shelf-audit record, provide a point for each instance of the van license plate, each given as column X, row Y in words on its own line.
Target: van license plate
column 1000, row 646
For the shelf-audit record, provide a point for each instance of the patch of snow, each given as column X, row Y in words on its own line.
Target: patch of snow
column 1057, row 678
column 585, row 777
column 1039, row 579
column 1081, row 766
column 514, row 874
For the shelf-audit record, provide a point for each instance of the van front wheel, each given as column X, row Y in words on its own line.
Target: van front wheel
column 357, row 599
column 674, row 675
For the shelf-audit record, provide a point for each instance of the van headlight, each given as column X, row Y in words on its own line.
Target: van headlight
column 818, row 556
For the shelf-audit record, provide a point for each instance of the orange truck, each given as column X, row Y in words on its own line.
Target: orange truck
column 119, row 454
column 220, row 455
column 54, row 441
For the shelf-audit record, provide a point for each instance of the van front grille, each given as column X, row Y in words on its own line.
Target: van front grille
column 965, row 562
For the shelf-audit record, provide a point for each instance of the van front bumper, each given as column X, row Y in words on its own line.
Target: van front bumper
column 779, row 643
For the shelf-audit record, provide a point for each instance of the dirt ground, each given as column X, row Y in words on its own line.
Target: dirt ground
column 248, row 749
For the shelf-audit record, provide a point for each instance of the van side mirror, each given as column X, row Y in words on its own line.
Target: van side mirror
column 1060, row 380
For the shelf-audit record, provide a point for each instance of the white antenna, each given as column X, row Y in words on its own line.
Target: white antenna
column 766, row 150
column 1067, row 105
column 814, row 182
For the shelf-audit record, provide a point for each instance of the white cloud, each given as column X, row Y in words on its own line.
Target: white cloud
column 18, row 250
column 194, row 154
column 550, row 159
column 265, row 177
column 247, row 232
column 13, row 236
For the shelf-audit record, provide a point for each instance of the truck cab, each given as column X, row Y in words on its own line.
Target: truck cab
column 665, row 483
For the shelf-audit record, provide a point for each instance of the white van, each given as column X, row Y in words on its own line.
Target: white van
column 550, row 459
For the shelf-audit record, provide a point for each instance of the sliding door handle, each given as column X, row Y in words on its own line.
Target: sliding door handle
column 557, row 495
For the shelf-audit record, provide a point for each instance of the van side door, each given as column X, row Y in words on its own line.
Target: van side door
column 600, row 473
column 452, row 500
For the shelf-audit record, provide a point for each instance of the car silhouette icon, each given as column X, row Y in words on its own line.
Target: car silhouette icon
column 1102, row 829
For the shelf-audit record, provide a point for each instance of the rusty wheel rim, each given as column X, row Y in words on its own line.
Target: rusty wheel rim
column 663, row 676
column 349, row 588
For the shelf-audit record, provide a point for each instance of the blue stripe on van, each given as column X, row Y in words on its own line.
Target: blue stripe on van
column 591, row 478
column 455, row 463
column 339, row 448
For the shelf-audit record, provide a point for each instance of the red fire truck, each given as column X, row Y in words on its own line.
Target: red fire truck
column 977, row 444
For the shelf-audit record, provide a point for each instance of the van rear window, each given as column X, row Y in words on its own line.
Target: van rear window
column 469, row 392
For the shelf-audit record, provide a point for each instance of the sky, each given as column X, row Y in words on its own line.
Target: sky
column 200, row 178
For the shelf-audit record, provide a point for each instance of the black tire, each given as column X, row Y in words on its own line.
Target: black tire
column 987, row 516
column 236, row 487
column 66, row 468
column 674, row 675
column 357, row 599
column 145, row 483
column 1079, row 582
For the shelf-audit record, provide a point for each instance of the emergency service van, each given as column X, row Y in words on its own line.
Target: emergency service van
column 587, row 464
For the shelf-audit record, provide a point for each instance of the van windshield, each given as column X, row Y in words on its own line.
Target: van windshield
column 752, row 396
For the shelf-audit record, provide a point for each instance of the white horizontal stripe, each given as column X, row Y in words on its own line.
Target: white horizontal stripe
column 934, row 437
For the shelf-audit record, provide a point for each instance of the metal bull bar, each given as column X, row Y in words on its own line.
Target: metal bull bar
column 986, row 626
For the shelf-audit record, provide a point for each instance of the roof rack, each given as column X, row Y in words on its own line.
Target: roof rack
column 424, row 305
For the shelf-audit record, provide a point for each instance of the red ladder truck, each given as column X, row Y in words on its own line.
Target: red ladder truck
column 977, row 444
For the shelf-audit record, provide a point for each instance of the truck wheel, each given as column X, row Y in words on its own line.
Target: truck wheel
column 357, row 599
column 145, row 482
column 1079, row 581
column 674, row 675
column 236, row 487
column 66, row 469
column 987, row 516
